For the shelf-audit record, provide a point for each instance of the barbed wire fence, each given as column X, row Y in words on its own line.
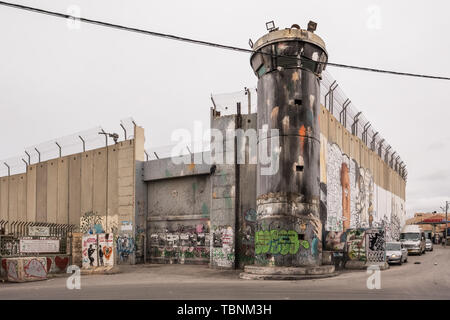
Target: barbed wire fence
column 337, row 103
column 78, row 142
column 340, row 106
column 178, row 150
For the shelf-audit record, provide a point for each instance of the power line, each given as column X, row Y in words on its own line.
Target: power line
column 207, row 43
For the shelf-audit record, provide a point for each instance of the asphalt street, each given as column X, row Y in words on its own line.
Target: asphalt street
column 422, row 277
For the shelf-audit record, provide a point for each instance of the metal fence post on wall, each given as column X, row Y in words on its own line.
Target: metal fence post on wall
column 84, row 143
column 29, row 157
column 343, row 113
column 124, row 131
column 365, row 132
column 355, row 124
column 59, row 147
column 372, row 144
column 39, row 154
column 249, row 99
column 329, row 94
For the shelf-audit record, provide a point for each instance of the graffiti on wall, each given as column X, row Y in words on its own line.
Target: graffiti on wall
column 356, row 246
column 222, row 246
column 125, row 247
column 278, row 242
column 375, row 245
column 57, row 264
column 247, row 234
column 273, row 242
column 12, row 270
column 351, row 199
column 89, row 251
column 105, row 249
column 35, row 268
column 91, row 223
column 180, row 243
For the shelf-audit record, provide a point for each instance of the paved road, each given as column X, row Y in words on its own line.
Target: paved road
column 426, row 280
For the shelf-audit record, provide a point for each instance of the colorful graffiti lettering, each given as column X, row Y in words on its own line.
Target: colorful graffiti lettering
column 277, row 242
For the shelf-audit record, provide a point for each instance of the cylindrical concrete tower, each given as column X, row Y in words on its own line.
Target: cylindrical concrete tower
column 289, row 231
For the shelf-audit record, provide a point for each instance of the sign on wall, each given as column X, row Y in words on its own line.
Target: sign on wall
column 39, row 246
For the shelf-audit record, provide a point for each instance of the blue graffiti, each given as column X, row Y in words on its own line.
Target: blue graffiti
column 125, row 246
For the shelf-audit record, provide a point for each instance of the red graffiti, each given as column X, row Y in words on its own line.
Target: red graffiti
column 4, row 264
column 49, row 264
column 62, row 263
column 302, row 134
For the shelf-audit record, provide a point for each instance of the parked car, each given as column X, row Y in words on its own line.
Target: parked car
column 413, row 239
column 396, row 253
column 429, row 245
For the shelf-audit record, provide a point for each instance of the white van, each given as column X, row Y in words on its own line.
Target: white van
column 413, row 239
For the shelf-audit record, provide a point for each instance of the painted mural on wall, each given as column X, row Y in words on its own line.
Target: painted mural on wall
column 105, row 249
column 179, row 243
column 350, row 199
column 89, row 251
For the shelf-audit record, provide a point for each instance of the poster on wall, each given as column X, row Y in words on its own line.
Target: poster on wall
column 89, row 253
column 105, row 249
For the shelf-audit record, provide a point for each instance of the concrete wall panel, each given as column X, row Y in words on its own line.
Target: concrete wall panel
column 100, row 183
column 41, row 192
column 331, row 129
column 13, row 188
column 339, row 134
column 22, row 197
column 87, row 182
column 52, row 190
column 113, row 189
column 4, row 198
column 75, row 189
column 63, row 190
column 31, row 193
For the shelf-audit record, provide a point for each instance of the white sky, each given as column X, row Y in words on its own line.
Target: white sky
column 55, row 81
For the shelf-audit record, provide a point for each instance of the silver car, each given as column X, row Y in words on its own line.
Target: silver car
column 429, row 245
column 396, row 253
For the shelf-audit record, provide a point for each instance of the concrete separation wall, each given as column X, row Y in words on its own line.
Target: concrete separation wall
column 100, row 190
column 358, row 189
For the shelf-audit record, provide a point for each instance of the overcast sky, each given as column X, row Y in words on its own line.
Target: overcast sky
column 55, row 81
